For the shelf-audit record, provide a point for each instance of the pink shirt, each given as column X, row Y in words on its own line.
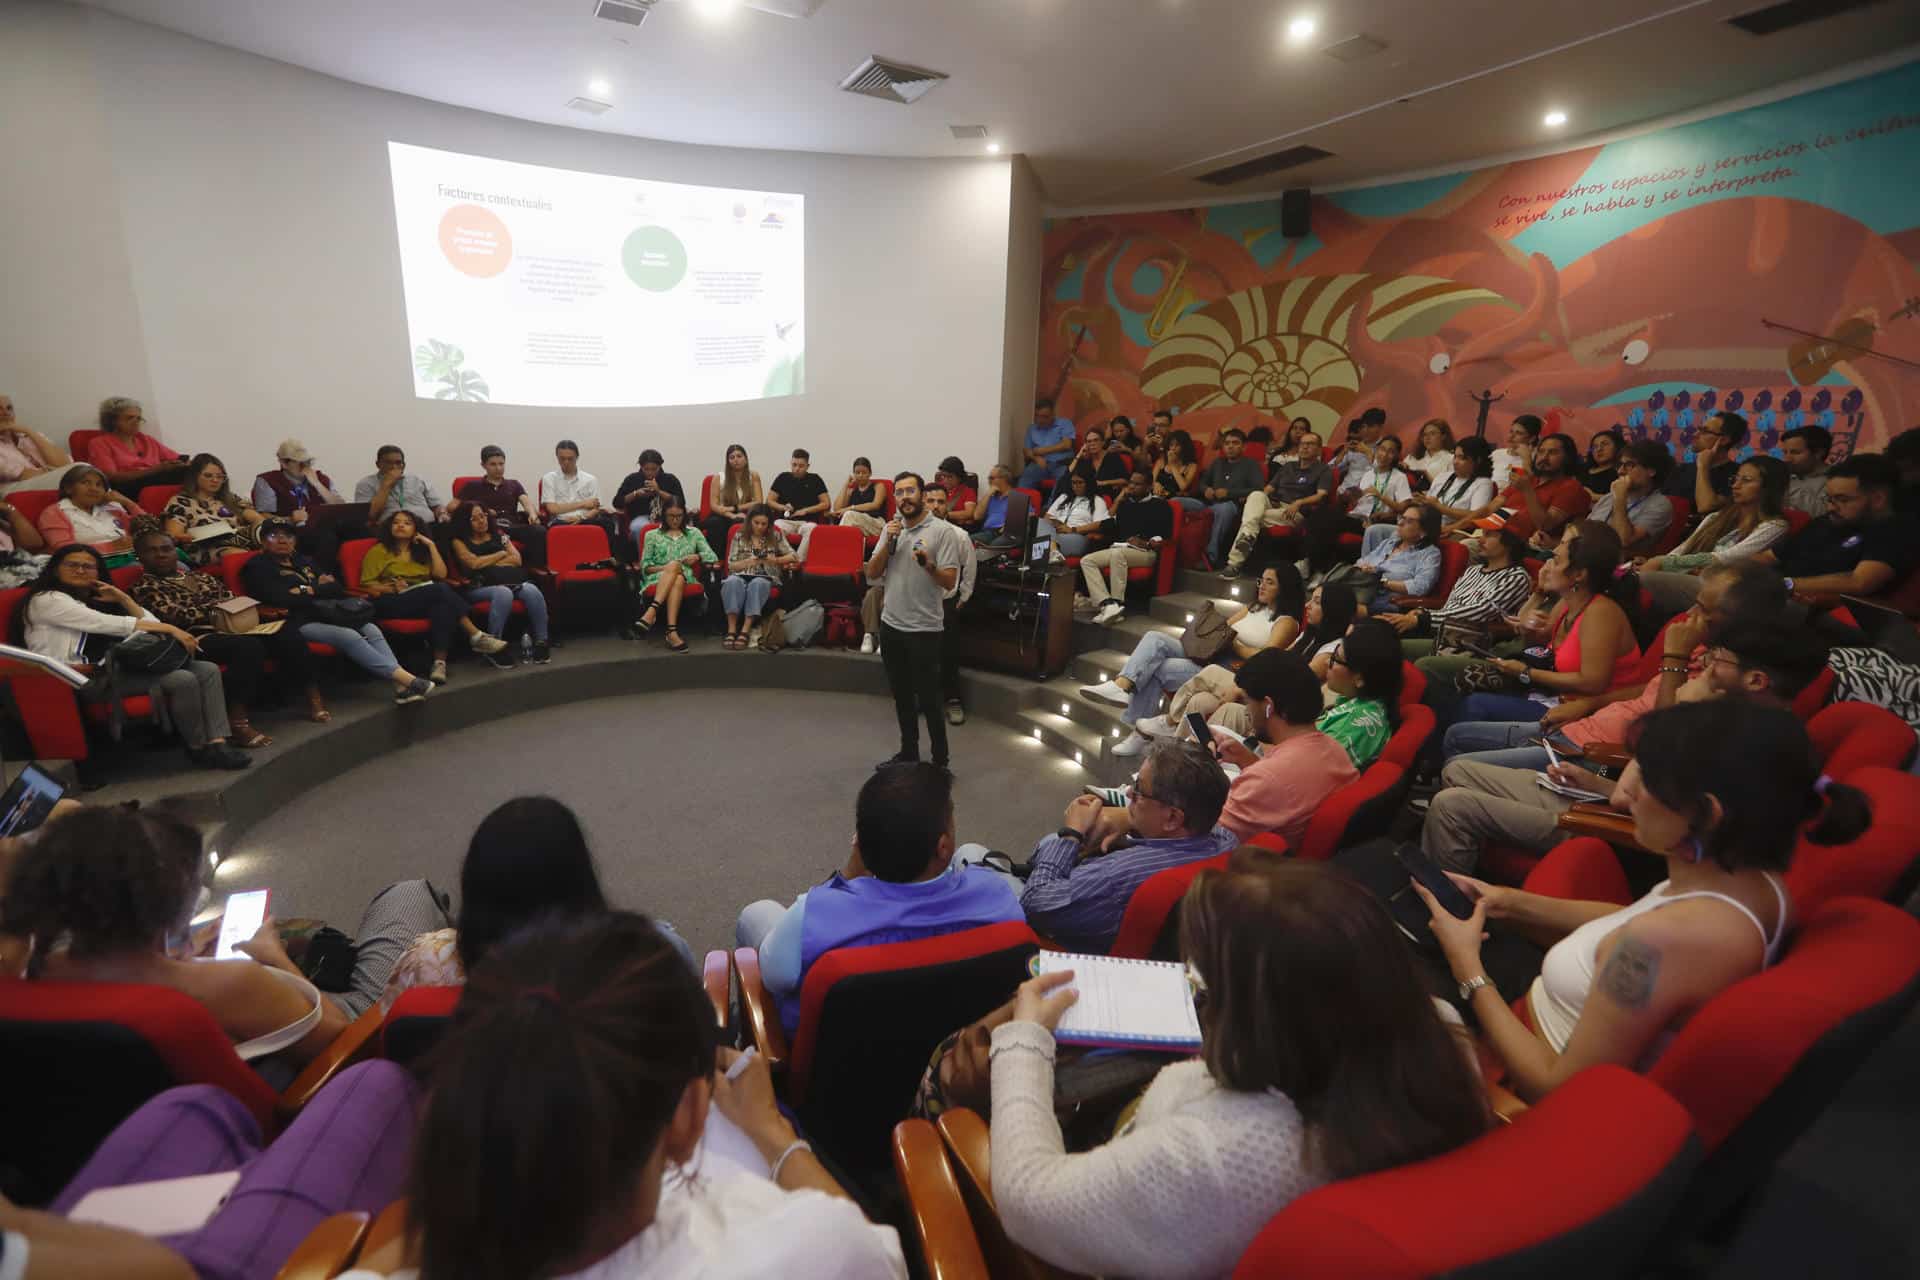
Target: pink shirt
column 113, row 454
column 1609, row 723
column 1279, row 791
column 16, row 459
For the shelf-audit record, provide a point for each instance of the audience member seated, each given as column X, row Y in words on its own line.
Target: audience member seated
column 1364, row 435
column 1863, row 546
column 176, row 595
column 671, row 558
column 1076, row 515
column 642, row 494
column 569, row 495
column 990, row 510
column 406, row 577
column 1379, row 492
column 1159, row 665
column 1752, row 520
column 295, row 487
column 130, row 457
column 1492, row 798
column 1176, row 464
column 1805, row 450
column 90, row 514
column 1291, row 1090
column 22, row 549
column 1047, row 447
column 508, row 502
column 757, row 563
column 1707, row 478
column 1589, row 633
column 1123, row 438
column 1466, row 493
column 900, row 883
column 74, row 614
column 392, row 488
column 496, row 578
column 1601, row 467
column 1105, row 468
column 1631, row 504
column 1493, row 584
column 1430, row 460
column 1406, row 565
column 206, row 518
column 1135, row 534
column 1294, row 489
column 962, row 499
column 1287, row 449
column 799, row 499
column 1521, row 435
column 730, row 495
column 1228, row 481
column 1082, row 876
column 1296, row 767
column 1724, row 790
column 862, row 502
column 319, row 609
column 347, row 1151
column 1544, row 493
column 28, row 459
column 528, row 860
column 604, row 1042
column 1365, row 675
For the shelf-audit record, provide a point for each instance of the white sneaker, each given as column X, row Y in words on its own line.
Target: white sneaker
column 484, row 643
column 1112, row 797
column 1134, row 744
column 1107, row 691
column 1156, row 727
column 1111, row 611
column 867, row 644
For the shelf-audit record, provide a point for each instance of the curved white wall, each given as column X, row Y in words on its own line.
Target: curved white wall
column 213, row 232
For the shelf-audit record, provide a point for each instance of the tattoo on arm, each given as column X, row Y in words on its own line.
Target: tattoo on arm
column 1630, row 973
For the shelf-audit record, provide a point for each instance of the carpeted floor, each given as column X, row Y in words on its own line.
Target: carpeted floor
column 694, row 802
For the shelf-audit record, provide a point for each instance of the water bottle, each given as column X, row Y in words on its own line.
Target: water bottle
column 526, row 647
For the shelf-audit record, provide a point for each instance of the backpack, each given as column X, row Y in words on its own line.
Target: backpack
column 803, row 623
column 843, row 626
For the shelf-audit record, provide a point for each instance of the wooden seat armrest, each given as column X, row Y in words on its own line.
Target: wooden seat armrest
column 763, row 1020
column 384, row 1251
column 968, row 1148
column 350, row 1046
column 1409, row 603
column 1606, row 755
column 1505, row 1103
column 965, row 1133
column 1585, row 819
column 328, row 1250
column 716, row 974
column 934, row 1205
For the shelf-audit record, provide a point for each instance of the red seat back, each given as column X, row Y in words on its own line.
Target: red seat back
column 353, row 555
column 1796, row 520
column 461, row 482
column 1584, row 869
column 571, row 545
column 1677, row 531
column 1150, row 929
column 887, row 485
column 1808, row 702
column 1879, row 863
column 1417, row 723
column 1854, row 735
column 1453, row 562
column 155, row 497
column 1413, row 684
column 417, row 1021
column 1358, row 811
column 78, row 441
column 31, row 502
column 82, row 1056
column 835, row 551
column 1584, row 1183
column 706, row 497
column 126, row 575
column 1035, row 508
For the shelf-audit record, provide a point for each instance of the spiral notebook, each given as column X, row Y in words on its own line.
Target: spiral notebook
column 1125, row 1004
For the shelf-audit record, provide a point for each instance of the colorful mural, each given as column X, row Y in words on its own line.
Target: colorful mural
column 1634, row 285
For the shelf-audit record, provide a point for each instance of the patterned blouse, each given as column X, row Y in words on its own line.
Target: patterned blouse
column 662, row 549
column 745, row 549
column 185, row 600
column 431, row 961
column 194, row 511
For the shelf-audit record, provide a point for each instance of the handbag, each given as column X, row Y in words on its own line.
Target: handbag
column 236, row 615
column 351, row 612
column 502, row 575
column 1463, row 638
column 1207, row 635
column 149, row 652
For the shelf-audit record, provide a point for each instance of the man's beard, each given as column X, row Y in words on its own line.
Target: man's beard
column 910, row 508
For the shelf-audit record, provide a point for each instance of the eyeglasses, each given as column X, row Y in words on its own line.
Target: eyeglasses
column 1339, row 656
column 1136, row 792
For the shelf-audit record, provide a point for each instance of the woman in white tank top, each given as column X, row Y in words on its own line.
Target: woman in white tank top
column 1727, row 788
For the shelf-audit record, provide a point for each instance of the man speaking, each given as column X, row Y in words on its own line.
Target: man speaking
column 916, row 563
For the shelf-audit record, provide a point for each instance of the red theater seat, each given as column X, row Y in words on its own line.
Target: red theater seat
column 572, row 546
column 836, row 553
column 416, row 1022
column 155, row 497
column 31, row 502
column 1150, row 929
column 48, row 706
column 1417, row 723
column 1361, row 810
column 1453, row 563
column 352, row 556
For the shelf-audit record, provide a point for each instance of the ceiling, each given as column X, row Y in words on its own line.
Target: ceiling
column 1114, row 102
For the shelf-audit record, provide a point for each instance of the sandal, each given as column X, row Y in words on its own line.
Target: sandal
column 646, row 620
column 675, row 644
column 243, row 735
column 317, row 710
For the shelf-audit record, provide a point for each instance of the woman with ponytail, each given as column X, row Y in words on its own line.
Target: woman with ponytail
column 1724, row 789
column 568, row 1131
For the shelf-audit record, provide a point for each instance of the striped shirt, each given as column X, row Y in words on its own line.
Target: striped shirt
column 1078, row 902
column 1480, row 596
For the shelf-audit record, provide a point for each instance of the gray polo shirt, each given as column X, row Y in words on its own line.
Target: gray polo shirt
column 412, row 495
column 913, row 600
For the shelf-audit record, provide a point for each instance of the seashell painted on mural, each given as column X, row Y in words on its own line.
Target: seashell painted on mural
column 1282, row 347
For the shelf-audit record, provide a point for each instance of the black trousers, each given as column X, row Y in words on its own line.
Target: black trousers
column 1322, row 535
column 438, row 603
column 244, row 660
column 950, row 655
column 533, row 537
column 912, row 660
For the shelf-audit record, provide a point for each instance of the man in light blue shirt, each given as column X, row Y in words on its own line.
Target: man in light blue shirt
column 1049, row 448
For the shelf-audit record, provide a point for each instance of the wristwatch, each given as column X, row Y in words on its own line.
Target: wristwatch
column 1074, row 834
column 1473, row 984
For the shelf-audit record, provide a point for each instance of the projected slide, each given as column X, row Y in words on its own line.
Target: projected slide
column 537, row 286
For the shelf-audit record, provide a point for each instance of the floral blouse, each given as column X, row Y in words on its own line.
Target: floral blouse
column 745, row 549
column 662, row 549
column 194, row 512
column 431, row 961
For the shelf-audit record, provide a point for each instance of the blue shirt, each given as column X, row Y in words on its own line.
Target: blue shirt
column 1060, row 432
column 1418, row 568
column 1078, row 902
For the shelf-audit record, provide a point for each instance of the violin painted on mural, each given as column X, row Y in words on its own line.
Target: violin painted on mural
column 1814, row 357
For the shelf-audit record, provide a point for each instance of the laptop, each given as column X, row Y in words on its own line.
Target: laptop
column 1012, row 534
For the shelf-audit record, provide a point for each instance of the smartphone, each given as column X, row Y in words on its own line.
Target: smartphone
column 1202, row 732
column 1414, row 860
column 27, row 801
column 243, row 917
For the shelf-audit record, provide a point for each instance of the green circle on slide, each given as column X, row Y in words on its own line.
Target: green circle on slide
column 654, row 258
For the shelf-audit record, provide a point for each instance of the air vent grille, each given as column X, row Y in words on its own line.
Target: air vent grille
column 891, row 81
column 1260, row 167
column 592, row 106
column 1794, row 13
column 629, row 13
column 967, row 132
column 1354, row 48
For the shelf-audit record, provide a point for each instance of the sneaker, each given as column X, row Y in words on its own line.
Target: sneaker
column 1134, row 744
column 1110, row 612
column 1156, row 727
column 415, row 692
column 868, row 644
column 1107, row 691
column 956, row 714
column 1229, row 570
column 898, row 757
column 218, row 755
column 502, row 660
column 542, row 652
column 439, row 673
column 484, row 643
column 1112, row 797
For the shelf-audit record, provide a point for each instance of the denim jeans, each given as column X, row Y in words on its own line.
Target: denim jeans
column 744, row 595
column 1190, row 504
column 1497, row 707
column 1073, row 544
column 499, row 602
column 1037, row 476
column 1374, row 536
column 1501, row 742
column 366, row 648
column 1226, row 523
column 1158, row 667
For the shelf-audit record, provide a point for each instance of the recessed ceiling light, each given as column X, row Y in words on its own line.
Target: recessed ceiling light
column 599, row 88
column 714, row 8
column 1554, row 119
column 1300, row 28
column 993, row 148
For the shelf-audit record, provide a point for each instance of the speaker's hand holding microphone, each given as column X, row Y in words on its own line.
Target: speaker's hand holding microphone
column 893, row 535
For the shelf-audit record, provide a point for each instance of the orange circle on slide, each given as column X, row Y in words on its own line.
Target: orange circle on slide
column 475, row 240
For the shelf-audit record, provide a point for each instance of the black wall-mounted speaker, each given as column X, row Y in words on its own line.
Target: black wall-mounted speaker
column 1294, row 222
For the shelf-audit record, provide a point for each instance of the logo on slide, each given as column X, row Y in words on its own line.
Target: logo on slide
column 475, row 241
column 654, row 258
